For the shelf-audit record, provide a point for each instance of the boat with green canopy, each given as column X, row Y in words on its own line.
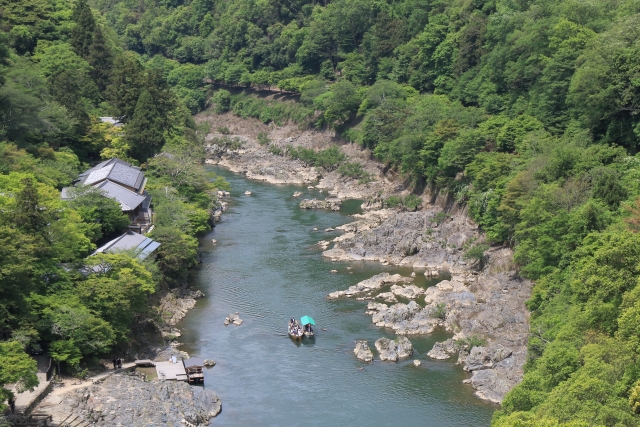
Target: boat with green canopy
column 307, row 323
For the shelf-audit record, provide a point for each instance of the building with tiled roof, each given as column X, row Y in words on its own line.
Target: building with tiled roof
column 123, row 182
column 141, row 245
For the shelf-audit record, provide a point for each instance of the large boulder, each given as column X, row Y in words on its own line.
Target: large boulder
column 393, row 350
column 363, row 352
column 387, row 349
column 404, row 348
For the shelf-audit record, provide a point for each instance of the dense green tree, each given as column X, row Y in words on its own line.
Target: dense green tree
column 144, row 133
column 125, row 85
column 100, row 58
column 82, row 33
column 16, row 367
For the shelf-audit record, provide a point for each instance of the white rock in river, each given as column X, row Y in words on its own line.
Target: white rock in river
column 214, row 241
column 233, row 318
column 404, row 348
column 387, row 349
column 209, row 363
column 247, row 193
column 417, row 363
column 363, row 352
column 393, row 350
column 297, row 194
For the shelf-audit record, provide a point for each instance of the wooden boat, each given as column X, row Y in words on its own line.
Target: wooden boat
column 307, row 326
column 296, row 335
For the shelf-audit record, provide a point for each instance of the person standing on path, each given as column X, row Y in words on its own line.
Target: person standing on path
column 115, row 363
column 119, row 363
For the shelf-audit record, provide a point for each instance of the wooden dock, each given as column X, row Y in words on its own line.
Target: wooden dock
column 171, row 371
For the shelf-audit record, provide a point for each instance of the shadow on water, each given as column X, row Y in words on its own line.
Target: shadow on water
column 266, row 266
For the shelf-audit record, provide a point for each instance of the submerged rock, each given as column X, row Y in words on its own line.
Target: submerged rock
column 363, row 352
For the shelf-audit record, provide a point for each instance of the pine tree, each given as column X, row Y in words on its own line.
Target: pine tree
column 125, row 84
column 82, row 33
column 144, row 132
column 101, row 59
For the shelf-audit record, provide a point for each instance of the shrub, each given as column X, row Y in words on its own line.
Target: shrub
column 221, row 101
column 410, row 202
column 440, row 217
column 223, row 130
column 440, row 310
column 275, row 150
column 263, row 138
column 470, row 342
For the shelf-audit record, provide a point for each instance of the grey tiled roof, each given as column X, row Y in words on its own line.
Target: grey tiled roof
column 117, row 171
column 142, row 245
column 128, row 199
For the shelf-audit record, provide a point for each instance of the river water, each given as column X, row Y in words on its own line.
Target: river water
column 266, row 267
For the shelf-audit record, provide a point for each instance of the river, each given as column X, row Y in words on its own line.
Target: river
column 267, row 267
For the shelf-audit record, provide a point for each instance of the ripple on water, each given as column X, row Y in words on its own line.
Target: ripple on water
column 266, row 267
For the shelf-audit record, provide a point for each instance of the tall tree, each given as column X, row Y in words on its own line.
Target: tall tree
column 162, row 95
column 82, row 33
column 101, row 59
column 125, row 84
column 145, row 130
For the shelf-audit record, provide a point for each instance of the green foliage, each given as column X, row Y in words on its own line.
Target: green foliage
column 144, row 133
column 16, row 367
column 476, row 253
column 93, row 207
column 440, row 311
column 328, row 159
column 410, row 202
column 263, row 138
column 356, row 171
column 221, row 101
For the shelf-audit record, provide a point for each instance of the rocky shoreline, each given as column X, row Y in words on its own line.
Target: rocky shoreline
column 484, row 308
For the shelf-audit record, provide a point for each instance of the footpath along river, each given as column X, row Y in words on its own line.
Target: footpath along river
column 267, row 267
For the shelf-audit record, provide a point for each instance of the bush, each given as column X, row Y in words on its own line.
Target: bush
column 275, row 150
column 221, row 101
column 409, row 203
column 439, row 218
column 330, row 158
column 440, row 311
column 263, row 138
column 470, row 342
column 223, row 130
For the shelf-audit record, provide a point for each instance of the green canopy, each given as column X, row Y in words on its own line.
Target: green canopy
column 305, row 320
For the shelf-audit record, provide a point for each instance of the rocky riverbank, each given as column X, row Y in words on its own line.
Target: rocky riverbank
column 483, row 307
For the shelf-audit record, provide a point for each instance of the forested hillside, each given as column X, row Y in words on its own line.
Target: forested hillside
column 61, row 68
column 525, row 110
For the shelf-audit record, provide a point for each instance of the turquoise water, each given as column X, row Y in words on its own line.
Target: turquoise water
column 267, row 267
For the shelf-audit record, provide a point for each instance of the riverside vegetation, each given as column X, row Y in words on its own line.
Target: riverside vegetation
column 59, row 71
column 524, row 110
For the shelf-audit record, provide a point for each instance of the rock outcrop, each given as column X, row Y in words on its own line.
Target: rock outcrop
column 366, row 287
column 363, row 352
column 331, row 204
column 175, row 305
column 393, row 350
column 123, row 400
column 233, row 319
